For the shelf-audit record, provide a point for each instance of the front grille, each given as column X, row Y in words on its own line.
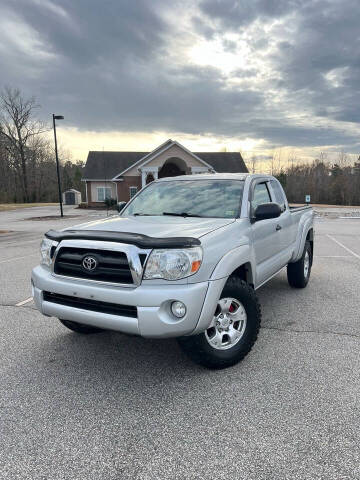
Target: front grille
column 112, row 266
column 92, row 305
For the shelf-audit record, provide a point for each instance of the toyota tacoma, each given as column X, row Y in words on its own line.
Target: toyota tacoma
column 183, row 259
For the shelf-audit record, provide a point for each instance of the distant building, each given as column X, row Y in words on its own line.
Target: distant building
column 120, row 175
column 71, row 197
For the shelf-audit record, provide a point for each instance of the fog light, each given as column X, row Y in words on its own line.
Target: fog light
column 178, row 309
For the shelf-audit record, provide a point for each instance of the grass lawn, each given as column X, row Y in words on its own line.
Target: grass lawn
column 15, row 206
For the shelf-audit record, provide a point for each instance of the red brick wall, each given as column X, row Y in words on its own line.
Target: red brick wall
column 123, row 187
column 123, row 190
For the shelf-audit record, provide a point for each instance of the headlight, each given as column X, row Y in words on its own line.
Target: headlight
column 173, row 264
column 45, row 251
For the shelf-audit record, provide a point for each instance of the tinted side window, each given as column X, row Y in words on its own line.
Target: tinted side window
column 261, row 195
column 279, row 196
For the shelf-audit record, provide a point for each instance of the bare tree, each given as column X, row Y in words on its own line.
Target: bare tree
column 275, row 162
column 247, row 159
column 292, row 160
column 323, row 158
column 252, row 161
column 17, row 129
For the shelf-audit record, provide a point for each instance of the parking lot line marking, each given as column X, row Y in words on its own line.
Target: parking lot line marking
column 24, row 302
column 17, row 244
column 332, row 256
column 343, row 246
column 18, row 258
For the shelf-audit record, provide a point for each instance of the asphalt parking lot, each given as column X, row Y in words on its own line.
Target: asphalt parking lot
column 109, row 406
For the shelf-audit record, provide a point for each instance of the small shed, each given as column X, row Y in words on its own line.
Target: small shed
column 72, row 197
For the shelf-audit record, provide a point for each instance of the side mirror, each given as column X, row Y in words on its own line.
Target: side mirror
column 267, row 210
column 121, row 206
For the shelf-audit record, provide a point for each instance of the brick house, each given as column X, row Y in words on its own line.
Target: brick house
column 120, row 175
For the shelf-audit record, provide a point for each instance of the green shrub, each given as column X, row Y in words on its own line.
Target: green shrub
column 110, row 202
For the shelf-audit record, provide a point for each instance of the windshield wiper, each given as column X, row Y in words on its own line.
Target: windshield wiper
column 183, row 214
column 138, row 214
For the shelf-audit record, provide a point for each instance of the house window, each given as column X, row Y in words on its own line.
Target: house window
column 103, row 193
column 133, row 191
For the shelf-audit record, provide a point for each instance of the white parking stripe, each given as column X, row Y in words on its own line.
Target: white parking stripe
column 24, row 302
column 343, row 246
column 18, row 258
column 332, row 256
column 17, row 244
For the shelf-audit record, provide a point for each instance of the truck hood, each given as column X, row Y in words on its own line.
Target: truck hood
column 161, row 226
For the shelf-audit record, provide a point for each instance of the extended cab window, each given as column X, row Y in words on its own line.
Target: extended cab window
column 202, row 198
column 279, row 196
column 261, row 195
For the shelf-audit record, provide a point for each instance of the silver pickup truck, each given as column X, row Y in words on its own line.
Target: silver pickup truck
column 183, row 259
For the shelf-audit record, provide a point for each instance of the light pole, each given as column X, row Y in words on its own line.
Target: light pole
column 58, row 117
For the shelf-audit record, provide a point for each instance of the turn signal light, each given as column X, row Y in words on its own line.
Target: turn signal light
column 195, row 266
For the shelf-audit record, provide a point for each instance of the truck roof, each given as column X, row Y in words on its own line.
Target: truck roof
column 212, row 176
column 208, row 176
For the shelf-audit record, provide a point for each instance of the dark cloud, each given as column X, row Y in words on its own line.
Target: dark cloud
column 235, row 14
column 120, row 65
column 93, row 30
column 316, row 59
column 190, row 101
column 321, row 62
column 201, row 26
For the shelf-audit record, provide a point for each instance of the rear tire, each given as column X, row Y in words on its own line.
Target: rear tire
column 233, row 330
column 298, row 273
column 80, row 327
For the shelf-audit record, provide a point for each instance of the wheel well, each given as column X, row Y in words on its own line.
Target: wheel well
column 244, row 272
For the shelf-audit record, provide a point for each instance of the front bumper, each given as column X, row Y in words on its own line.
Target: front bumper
column 154, row 317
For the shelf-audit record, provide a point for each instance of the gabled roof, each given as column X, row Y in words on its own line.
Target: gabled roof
column 224, row 162
column 158, row 150
column 108, row 165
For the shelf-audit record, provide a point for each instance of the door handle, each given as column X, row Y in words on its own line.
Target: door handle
column 278, row 227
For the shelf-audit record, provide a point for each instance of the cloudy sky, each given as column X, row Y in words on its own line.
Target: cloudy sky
column 251, row 75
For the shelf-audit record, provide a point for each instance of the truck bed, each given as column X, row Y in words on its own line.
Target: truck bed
column 294, row 208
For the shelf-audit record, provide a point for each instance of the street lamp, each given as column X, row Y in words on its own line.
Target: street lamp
column 58, row 117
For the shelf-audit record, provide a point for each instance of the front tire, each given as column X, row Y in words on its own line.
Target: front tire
column 232, row 332
column 298, row 273
column 80, row 327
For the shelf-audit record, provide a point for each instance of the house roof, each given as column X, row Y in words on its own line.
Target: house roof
column 158, row 151
column 101, row 165
column 224, row 162
column 107, row 165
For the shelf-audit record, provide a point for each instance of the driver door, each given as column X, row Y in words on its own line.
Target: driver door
column 265, row 234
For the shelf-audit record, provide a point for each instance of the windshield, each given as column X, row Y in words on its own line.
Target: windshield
column 198, row 198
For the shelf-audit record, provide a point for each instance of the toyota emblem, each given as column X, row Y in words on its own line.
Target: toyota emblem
column 89, row 263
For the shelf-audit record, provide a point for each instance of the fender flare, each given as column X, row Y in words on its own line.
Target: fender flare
column 234, row 259
column 225, row 267
column 299, row 247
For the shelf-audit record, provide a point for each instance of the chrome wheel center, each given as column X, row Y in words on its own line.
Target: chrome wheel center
column 225, row 322
column 228, row 325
